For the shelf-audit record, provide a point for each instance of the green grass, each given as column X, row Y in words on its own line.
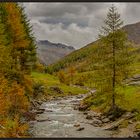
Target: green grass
column 128, row 98
column 50, row 80
column 131, row 99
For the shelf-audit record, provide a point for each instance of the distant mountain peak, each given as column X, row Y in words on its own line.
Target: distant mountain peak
column 49, row 52
column 46, row 42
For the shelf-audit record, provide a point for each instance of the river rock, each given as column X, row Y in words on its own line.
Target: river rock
column 76, row 125
column 85, row 113
column 136, row 83
column 95, row 114
column 34, row 104
column 43, row 120
column 47, row 110
column 128, row 115
column 41, row 109
column 138, row 134
column 114, row 125
column 82, row 107
column 135, row 80
column 105, row 120
column 76, row 107
column 130, row 122
column 38, row 102
column 89, row 117
column 110, row 117
column 96, row 121
column 80, row 129
column 92, row 114
column 39, row 112
column 79, row 96
column 96, row 125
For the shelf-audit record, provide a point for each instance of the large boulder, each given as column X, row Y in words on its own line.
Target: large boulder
column 114, row 125
column 135, row 80
column 128, row 115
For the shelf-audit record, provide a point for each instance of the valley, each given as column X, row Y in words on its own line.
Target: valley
column 51, row 89
column 76, row 74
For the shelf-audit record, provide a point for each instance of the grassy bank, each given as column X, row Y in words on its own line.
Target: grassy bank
column 128, row 99
column 49, row 81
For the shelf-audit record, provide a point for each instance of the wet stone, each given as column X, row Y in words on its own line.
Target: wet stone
column 89, row 117
column 96, row 121
column 80, row 129
column 105, row 120
column 43, row 120
column 76, row 125
column 47, row 110
column 85, row 113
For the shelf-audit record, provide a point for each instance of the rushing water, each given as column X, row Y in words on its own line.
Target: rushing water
column 59, row 119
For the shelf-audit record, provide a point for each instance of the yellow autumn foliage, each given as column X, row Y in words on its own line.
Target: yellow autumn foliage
column 17, row 51
column 13, row 128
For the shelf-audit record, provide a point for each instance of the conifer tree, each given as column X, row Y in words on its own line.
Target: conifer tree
column 15, row 42
column 20, row 40
column 112, row 58
column 28, row 59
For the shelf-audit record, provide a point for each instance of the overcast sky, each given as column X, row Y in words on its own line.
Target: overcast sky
column 74, row 24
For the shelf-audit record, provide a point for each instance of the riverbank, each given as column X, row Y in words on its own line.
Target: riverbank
column 60, row 117
column 58, row 93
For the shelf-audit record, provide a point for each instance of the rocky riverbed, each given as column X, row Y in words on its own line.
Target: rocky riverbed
column 61, row 118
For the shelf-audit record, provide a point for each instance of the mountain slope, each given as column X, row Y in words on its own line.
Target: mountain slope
column 49, row 52
column 82, row 59
column 133, row 31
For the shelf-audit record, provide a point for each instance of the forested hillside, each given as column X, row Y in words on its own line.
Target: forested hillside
column 101, row 79
column 17, row 59
column 82, row 59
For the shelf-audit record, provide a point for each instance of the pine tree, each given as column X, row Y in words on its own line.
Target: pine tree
column 28, row 57
column 20, row 37
column 112, row 58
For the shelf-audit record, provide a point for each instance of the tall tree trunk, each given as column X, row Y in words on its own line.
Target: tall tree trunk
column 113, row 78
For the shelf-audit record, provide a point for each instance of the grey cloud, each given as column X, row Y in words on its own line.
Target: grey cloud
column 74, row 24
column 80, row 21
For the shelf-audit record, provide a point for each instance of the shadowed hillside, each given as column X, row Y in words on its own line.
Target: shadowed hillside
column 133, row 31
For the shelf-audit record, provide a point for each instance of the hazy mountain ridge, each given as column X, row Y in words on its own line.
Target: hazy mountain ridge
column 49, row 52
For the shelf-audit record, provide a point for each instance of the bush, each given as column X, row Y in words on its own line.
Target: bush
column 14, row 128
column 79, row 83
column 38, row 89
column 62, row 77
column 39, row 67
